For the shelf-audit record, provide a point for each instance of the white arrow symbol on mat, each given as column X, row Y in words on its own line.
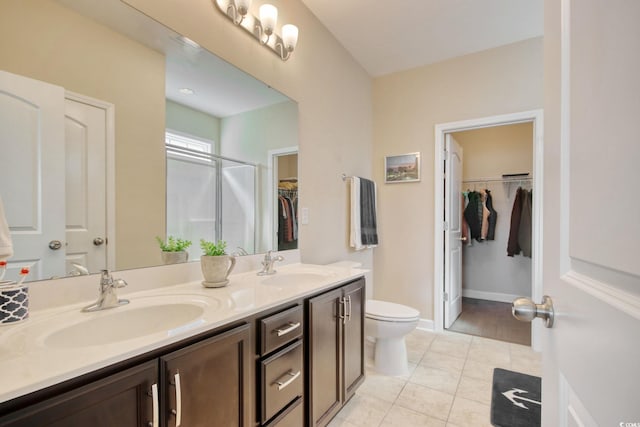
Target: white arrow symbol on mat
column 512, row 396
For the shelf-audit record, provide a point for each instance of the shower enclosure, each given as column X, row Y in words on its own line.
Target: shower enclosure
column 211, row 197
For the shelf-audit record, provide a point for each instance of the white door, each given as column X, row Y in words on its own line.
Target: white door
column 453, row 232
column 591, row 268
column 86, row 135
column 32, row 165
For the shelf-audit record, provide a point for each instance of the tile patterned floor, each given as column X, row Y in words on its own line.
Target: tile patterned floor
column 449, row 383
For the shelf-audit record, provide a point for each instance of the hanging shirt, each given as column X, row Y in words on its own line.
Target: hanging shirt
column 516, row 212
column 493, row 217
column 524, row 232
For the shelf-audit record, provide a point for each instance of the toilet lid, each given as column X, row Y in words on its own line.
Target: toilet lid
column 383, row 310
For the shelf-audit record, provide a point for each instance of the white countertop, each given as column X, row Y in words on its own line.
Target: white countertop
column 30, row 363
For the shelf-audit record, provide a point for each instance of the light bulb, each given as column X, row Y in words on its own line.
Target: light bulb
column 268, row 18
column 289, row 36
column 243, row 6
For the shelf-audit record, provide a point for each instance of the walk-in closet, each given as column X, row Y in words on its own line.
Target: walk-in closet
column 287, row 226
column 496, row 200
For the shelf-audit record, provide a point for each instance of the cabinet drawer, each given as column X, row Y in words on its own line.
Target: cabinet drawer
column 281, row 380
column 279, row 329
column 292, row 417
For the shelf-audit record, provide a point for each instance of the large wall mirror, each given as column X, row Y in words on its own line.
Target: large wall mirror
column 115, row 130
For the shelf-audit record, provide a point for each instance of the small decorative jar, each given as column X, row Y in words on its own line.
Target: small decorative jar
column 14, row 300
column 14, row 303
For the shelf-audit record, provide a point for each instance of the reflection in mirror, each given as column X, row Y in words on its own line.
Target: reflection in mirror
column 115, row 130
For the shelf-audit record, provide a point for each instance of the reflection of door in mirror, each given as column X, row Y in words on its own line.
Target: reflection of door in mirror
column 286, row 171
column 54, row 177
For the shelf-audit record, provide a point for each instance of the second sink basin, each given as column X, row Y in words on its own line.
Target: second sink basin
column 296, row 278
column 129, row 322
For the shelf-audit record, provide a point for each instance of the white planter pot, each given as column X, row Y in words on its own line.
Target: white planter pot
column 175, row 257
column 216, row 269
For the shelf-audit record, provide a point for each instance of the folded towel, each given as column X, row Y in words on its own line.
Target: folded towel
column 6, row 246
column 363, row 233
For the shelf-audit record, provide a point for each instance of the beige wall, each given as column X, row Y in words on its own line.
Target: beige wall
column 193, row 122
column 493, row 151
column 335, row 113
column 407, row 106
column 36, row 41
column 288, row 166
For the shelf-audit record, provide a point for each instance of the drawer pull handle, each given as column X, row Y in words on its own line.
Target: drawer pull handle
column 292, row 377
column 156, row 413
column 285, row 330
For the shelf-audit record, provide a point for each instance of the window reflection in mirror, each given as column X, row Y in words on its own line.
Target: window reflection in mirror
column 106, row 53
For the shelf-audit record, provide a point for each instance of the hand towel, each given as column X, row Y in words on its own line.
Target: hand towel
column 363, row 232
column 6, row 245
column 368, row 220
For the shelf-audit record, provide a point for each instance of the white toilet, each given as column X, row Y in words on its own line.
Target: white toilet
column 388, row 323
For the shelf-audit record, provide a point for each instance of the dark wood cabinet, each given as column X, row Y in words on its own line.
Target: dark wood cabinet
column 209, row 383
column 353, row 338
column 293, row 365
column 335, row 338
column 281, row 368
column 124, row 399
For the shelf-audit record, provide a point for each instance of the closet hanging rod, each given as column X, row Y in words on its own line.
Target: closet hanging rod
column 467, row 181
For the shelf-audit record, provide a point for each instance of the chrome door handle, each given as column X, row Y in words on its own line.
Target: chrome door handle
column 54, row 245
column 343, row 315
column 285, row 330
column 156, row 409
column 349, row 310
column 525, row 310
column 98, row 241
column 292, row 377
column 178, row 411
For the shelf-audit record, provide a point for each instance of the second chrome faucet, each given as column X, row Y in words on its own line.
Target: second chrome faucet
column 267, row 264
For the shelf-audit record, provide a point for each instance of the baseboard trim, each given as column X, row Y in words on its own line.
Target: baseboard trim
column 425, row 325
column 490, row 296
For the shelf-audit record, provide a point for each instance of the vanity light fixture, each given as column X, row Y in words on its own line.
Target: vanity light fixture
column 262, row 27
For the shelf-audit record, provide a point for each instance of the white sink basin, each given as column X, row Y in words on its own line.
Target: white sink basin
column 146, row 315
column 119, row 325
column 296, row 278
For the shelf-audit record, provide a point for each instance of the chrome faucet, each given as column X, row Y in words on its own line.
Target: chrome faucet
column 267, row 264
column 240, row 252
column 108, row 297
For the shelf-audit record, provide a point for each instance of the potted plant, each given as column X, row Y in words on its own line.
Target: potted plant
column 216, row 264
column 174, row 250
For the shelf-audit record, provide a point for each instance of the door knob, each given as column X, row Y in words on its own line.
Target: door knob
column 463, row 239
column 54, row 245
column 525, row 310
column 98, row 241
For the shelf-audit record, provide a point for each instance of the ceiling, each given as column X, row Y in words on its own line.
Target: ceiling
column 389, row 36
column 219, row 88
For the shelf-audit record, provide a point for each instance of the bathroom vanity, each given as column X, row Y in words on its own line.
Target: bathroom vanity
column 284, row 350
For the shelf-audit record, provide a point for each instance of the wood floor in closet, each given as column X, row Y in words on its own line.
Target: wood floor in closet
column 491, row 319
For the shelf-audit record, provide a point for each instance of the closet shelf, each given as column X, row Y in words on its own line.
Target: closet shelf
column 479, row 180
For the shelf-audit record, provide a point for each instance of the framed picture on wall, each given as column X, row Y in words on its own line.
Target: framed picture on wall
column 402, row 168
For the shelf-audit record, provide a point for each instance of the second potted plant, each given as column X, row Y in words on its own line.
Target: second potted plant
column 174, row 250
column 216, row 264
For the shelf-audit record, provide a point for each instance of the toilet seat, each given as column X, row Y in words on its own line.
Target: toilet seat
column 390, row 312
